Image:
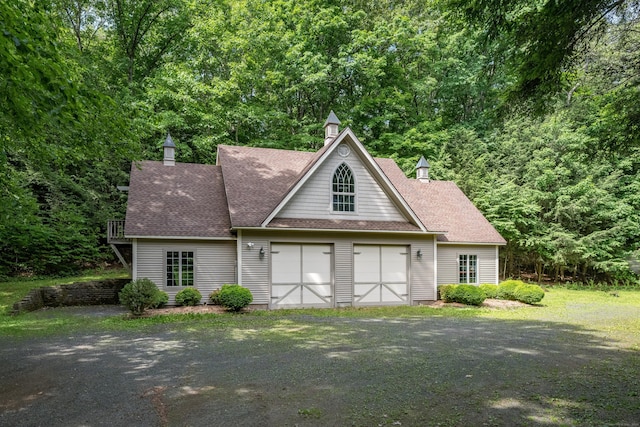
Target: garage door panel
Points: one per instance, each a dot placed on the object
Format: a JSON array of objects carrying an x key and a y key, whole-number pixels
[
  {"x": 285, "y": 263},
  {"x": 380, "y": 274},
  {"x": 394, "y": 264},
  {"x": 366, "y": 263},
  {"x": 367, "y": 293},
  {"x": 301, "y": 275},
  {"x": 316, "y": 264},
  {"x": 394, "y": 292},
  {"x": 316, "y": 294}
]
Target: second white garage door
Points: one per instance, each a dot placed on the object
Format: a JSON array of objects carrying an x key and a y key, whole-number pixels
[
  {"x": 380, "y": 275},
  {"x": 301, "y": 275}
]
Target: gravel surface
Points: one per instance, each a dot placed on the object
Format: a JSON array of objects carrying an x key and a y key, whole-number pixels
[{"x": 310, "y": 371}]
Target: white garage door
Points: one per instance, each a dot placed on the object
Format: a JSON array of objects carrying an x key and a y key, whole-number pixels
[
  {"x": 301, "y": 275},
  {"x": 380, "y": 275}
]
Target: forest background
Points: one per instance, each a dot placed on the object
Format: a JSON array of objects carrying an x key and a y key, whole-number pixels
[{"x": 532, "y": 107}]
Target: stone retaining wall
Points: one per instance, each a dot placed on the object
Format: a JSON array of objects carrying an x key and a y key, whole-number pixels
[{"x": 99, "y": 292}]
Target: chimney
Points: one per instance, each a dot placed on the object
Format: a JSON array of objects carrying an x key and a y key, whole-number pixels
[
  {"x": 169, "y": 151},
  {"x": 422, "y": 170},
  {"x": 331, "y": 127}
]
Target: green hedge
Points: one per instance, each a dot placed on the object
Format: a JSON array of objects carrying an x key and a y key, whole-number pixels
[
  {"x": 507, "y": 289},
  {"x": 463, "y": 294},
  {"x": 529, "y": 294},
  {"x": 234, "y": 297},
  {"x": 139, "y": 295},
  {"x": 188, "y": 296},
  {"x": 490, "y": 290}
]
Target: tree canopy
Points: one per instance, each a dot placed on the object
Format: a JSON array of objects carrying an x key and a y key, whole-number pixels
[{"x": 89, "y": 85}]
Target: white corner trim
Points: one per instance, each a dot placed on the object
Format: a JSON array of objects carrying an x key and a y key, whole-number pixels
[
  {"x": 134, "y": 259},
  {"x": 435, "y": 267},
  {"x": 239, "y": 258}
]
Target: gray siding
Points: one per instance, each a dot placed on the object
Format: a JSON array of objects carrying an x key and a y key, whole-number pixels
[
  {"x": 343, "y": 272},
  {"x": 255, "y": 270},
  {"x": 422, "y": 271},
  {"x": 448, "y": 262},
  {"x": 313, "y": 200},
  {"x": 214, "y": 263},
  {"x": 256, "y": 274}
]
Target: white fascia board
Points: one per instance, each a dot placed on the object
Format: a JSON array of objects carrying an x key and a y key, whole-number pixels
[
  {"x": 340, "y": 230},
  {"x": 180, "y": 238}
]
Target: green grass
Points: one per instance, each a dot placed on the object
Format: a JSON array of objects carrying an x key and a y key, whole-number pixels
[
  {"x": 614, "y": 314},
  {"x": 13, "y": 290}
]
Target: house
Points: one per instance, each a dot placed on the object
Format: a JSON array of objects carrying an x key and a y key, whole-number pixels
[{"x": 330, "y": 228}]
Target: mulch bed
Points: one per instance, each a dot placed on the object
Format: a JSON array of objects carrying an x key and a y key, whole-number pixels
[{"x": 489, "y": 303}]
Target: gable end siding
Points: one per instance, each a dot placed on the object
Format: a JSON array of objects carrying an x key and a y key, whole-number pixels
[{"x": 314, "y": 199}]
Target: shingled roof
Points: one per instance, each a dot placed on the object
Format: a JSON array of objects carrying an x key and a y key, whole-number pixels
[
  {"x": 185, "y": 200},
  {"x": 206, "y": 201}
]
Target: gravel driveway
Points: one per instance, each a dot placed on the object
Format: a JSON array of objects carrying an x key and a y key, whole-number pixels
[{"x": 313, "y": 371}]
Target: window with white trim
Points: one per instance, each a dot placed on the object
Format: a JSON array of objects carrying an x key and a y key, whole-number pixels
[
  {"x": 467, "y": 268},
  {"x": 180, "y": 268},
  {"x": 343, "y": 189}
]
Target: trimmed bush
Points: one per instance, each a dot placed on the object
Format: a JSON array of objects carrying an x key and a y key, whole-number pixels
[
  {"x": 139, "y": 295},
  {"x": 162, "y": 299},
  {"x": 446, "y": 292},
  {"x": 188, "y": 296},
  {"x": 214, "y": 297},
  {"x": 506, "y": 289},
  {"x": 489, "y": 290},
  {"x": 468, "y": 294},
  {"x": 234, "y": 297},
  {"x": 529, "y": 294}
]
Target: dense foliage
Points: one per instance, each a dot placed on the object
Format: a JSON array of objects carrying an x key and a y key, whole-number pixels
[
  {"x": 188, "y": 296},
  {"x": 88, "y": 86},
  {"x": 140, "y": 295},
  {"x": 234, "y": 297}
]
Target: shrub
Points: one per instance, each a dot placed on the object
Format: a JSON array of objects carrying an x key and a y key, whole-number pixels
[
  {"x": 139, "y": 295},
  {"x": 506, "y": 289},
  {"x": 162, "y": 299},
  {"x": 446, "y": 292},
  {"x": 188, "y": 296},
  {"x": 234, "y": 297},
  {"x": 215, "y": 297},
  {"x": 489, "y": 290},
  {"x": 529, "y": 294},
  {"x": 468, "y": 294}
]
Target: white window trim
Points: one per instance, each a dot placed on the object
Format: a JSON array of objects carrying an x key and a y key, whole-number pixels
[
  {"x": 164, "y": 274},
  {"x": 355, "y": 191},
  {"x": 477, "y": 281}
]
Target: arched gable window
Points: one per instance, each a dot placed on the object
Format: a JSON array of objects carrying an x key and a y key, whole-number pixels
[{"x": 343, "y": 189}]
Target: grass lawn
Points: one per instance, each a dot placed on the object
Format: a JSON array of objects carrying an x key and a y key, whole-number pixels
[{"x": 573, "y": 360}]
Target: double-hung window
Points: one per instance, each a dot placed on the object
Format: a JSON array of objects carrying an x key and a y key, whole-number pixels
[
  {"x": 467, "y": 269},
  {"x": 180, "y": 268},
  {"x": 343, "y": 189}
]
